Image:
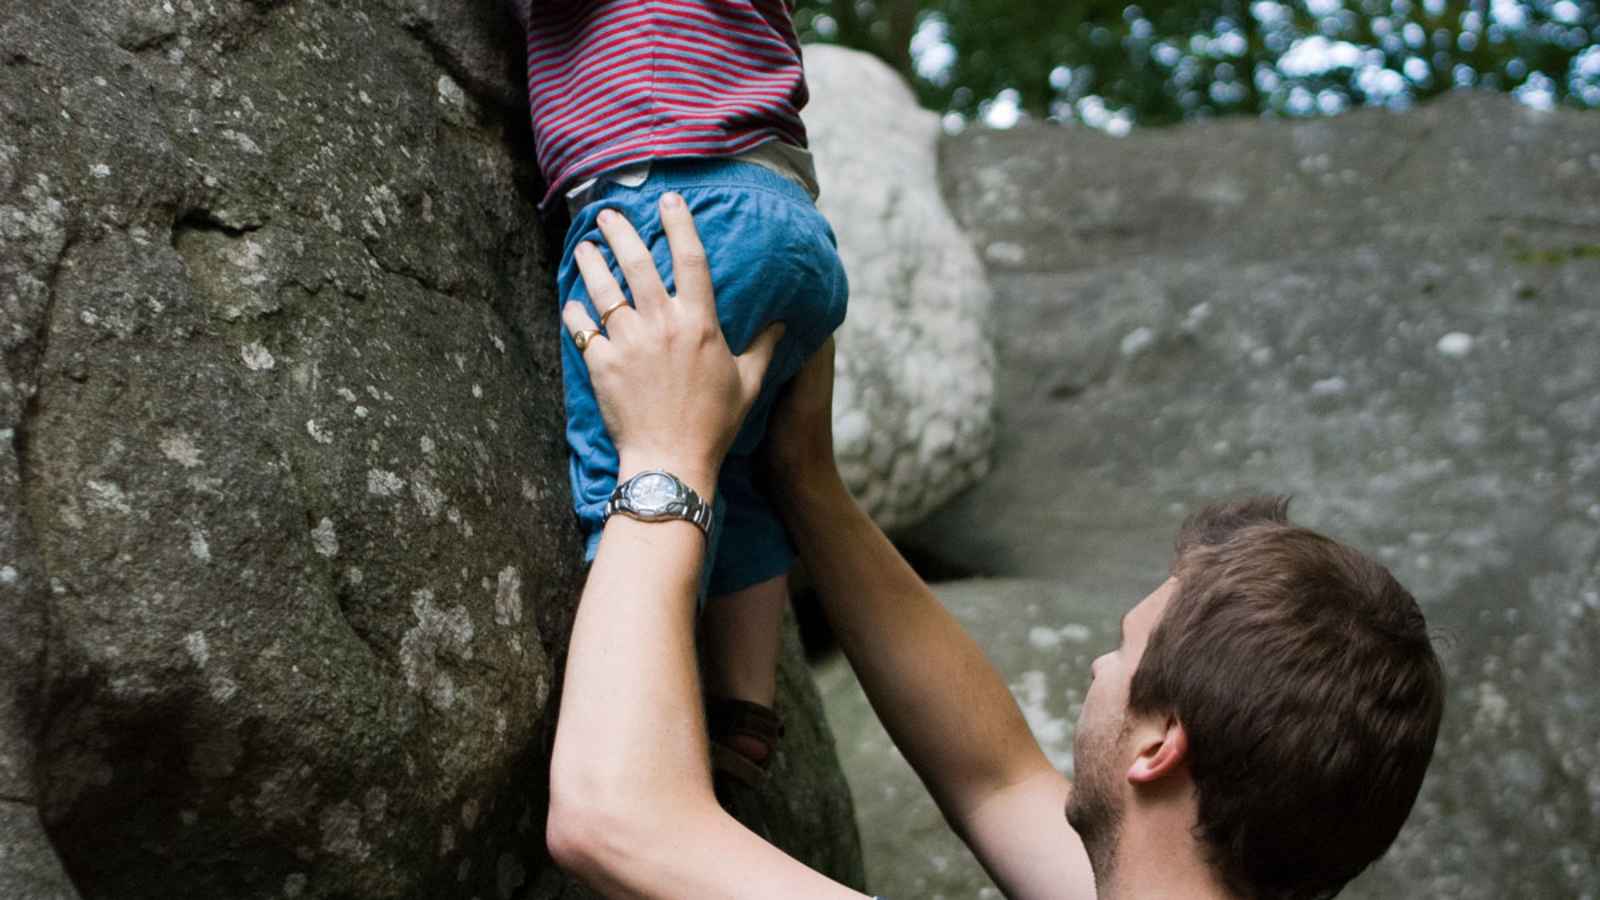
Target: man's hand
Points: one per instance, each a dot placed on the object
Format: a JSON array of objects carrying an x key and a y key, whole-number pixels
[{"x": 671, "y": 393}]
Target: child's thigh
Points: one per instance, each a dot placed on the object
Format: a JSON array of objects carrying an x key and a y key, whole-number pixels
[
  {"x": 772, "y": 260},
  {"x": 760, "y": 248}
]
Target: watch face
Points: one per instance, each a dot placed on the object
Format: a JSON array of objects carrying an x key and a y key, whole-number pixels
[{"x": 652, "y": 492}]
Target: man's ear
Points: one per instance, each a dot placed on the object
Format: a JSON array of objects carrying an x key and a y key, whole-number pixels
[{"x": 1161, "y": 749}]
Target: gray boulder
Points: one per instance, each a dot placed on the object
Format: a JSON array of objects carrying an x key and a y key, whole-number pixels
[
  {"x": 915, "y": 380},
  {"x": 1392, "y": 317},
  {"x": 287, "y": 563}
]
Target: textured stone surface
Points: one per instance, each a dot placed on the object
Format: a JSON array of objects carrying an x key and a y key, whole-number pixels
[
  {"x": 1392, "y": 317},
  {"x": 915, "y": 392},
  {"x": 807, "y": 801},
  {"x": 29, "y": 867},
  {"x": 287, "y": 562}
]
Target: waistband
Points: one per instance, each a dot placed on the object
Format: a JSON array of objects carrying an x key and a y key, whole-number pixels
[{"x": 686, "y": 174}]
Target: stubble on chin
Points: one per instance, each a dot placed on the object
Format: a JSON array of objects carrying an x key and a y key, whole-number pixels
[{"x": 1094, "y": 808}]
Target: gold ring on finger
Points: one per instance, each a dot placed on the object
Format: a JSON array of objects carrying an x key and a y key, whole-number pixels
[
  {"x": 607, "y": 314},
  {"x": 583, "y": 337}
]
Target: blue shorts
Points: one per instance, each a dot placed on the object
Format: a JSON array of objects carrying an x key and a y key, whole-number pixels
[{"x": 773, "y": 258}]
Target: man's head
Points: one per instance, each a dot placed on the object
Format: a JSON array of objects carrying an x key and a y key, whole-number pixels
[{"x": 1287, "y": 681}]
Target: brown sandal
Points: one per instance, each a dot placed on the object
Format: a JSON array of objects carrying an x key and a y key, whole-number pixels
[{"x": 732, "y": 723}]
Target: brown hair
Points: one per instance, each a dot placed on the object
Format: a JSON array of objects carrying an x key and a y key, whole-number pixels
[{"x": 1304, "y": 676}]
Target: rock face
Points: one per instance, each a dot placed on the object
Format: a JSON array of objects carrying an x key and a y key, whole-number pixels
[
  {"x": 287, "y": 563},
  {"x": 1392, "y": 317},
  {"x": 915, "y": 378}
]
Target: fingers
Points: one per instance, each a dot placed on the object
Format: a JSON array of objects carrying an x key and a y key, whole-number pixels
[
  {"x": 577, "y": 320},
  {"x": 689, "y": 267},
  {"x": 633, "y": 257},
  {"x": 753, "y": 364},
  {"x": 604, "y": 292}
]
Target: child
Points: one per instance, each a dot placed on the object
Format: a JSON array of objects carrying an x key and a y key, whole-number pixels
[{"x": 701, "y": 97}]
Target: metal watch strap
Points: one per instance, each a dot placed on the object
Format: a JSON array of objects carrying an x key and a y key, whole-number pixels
[{"x": 698, "y": 511}]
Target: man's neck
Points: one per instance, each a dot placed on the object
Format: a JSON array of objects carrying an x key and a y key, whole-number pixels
[{"x": 1151, "y": 865}]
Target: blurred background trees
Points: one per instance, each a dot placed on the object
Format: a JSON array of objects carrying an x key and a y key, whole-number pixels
[{"x": 1111, "y": 64}]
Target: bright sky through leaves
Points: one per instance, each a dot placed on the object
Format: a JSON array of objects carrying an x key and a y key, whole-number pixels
[{"x": 1112, "y": 65}]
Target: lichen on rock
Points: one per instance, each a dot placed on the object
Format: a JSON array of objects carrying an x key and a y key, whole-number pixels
[{"x": 282, "y": 490}]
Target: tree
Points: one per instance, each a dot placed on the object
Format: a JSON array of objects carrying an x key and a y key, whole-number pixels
[{"x": 1112, "y": 63}]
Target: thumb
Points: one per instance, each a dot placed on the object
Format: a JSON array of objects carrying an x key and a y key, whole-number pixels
[{"x": 753, "y": 364}]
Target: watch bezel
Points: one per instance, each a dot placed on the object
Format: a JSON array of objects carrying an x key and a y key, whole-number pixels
[
  {"x": 675, "y": 507},
  {"x": 685, "y": 505}
]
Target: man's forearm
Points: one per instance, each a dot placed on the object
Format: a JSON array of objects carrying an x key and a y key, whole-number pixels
[
  {"x": 630, "y": 711},
  {"x": 942, "y": 701},
  {"x": 632, "y": 810},
  {"x": 631, "y": 805}
]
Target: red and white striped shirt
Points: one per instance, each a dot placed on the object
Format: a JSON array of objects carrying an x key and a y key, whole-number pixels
[{"x": 612, "y": 83}]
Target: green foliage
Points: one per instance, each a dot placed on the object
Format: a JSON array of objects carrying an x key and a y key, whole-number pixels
[
  {"x": 1112, "y": 63},
  {"x": 1559, "y": 255}
]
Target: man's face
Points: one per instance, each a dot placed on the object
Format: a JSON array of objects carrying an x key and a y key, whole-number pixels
[{"x": 1100, "y": 758}]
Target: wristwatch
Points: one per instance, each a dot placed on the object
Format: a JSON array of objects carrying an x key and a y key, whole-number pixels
[{"x": 655, "y": 495}]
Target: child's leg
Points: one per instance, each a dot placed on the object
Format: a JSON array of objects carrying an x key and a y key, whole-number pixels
[
  {"x": 739, "y": 640},
  {"x": 740, "y": 636},
  {"x": 740, "y": 624},
  {"x": 772, "y": 258}
]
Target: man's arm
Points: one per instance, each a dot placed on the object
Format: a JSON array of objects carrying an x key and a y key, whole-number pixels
[
  {"x": 941, "y": 700},
  {"x": 631, "y": 805}
]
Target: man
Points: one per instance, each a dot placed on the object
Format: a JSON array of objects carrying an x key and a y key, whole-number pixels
[
  {"x": 1276, "y": 700},
  {"x": 1261, "y": 731}
]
